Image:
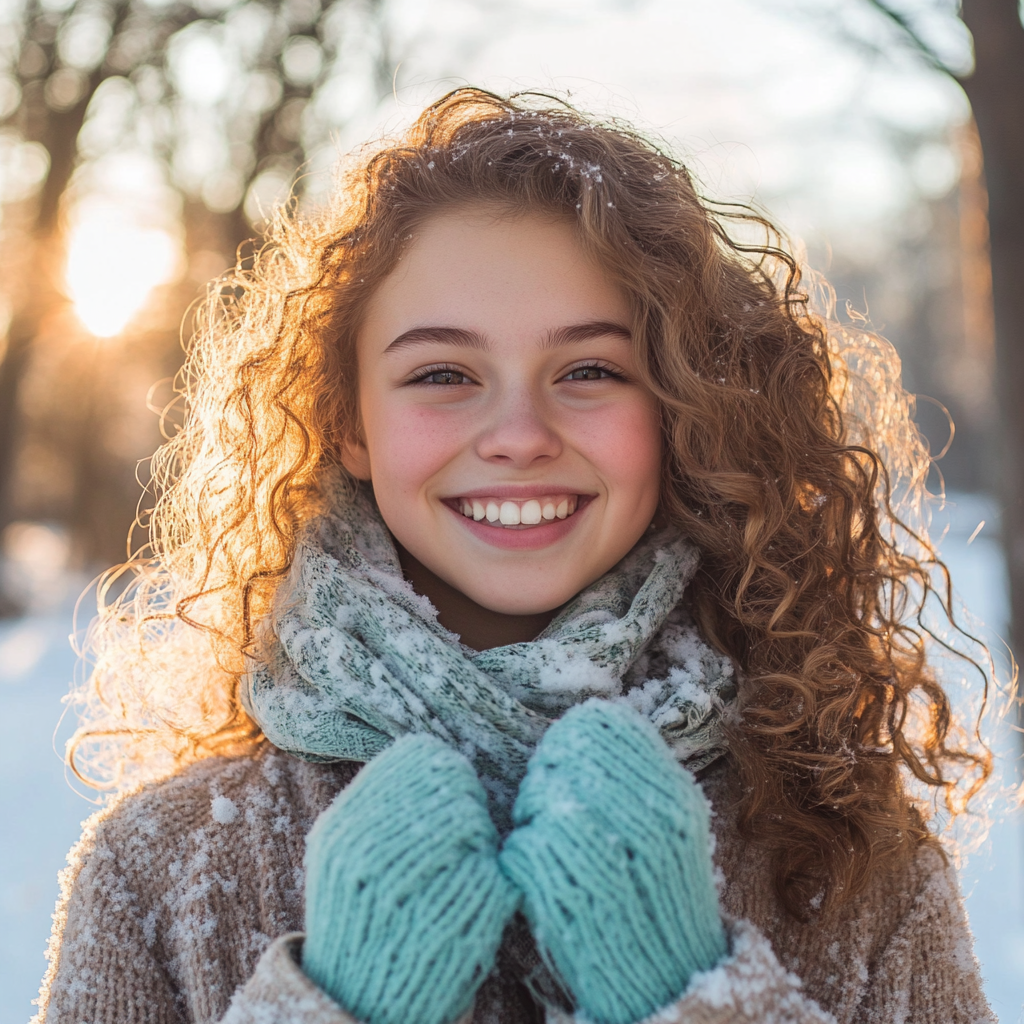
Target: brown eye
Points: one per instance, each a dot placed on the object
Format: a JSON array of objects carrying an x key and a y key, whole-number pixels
[{"x": 588, "y": 373}]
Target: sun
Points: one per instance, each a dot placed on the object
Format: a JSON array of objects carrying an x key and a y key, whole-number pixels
[{"x": 113, "y": 266}]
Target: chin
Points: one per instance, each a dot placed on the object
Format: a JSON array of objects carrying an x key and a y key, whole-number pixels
[{"x": 529, "y": 603}]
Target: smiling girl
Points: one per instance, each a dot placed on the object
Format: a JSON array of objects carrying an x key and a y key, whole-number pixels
[
  {"x": 513, "y": 452},
  {"x": 524, "y": 628}
]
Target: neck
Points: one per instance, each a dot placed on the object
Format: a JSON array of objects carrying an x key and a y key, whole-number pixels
[{"x": 477, "y": 627}]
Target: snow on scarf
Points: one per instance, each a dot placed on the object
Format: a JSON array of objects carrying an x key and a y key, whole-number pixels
[{"x": 357, "y": 658}]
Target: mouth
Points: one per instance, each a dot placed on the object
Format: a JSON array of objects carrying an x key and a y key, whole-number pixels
[{"x": 519, "y": 514}]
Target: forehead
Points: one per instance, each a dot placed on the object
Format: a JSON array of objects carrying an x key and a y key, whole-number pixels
[{"x": 490, "y": 271}]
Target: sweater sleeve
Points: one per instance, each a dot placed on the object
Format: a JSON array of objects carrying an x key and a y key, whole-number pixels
[
  {"x": 749, "y": 986},
  {"x": 927, "y": 972},
  {"x": 279, "y": 991},
  {"x": 105, "y": 965},
  {"x": 102, "y": 968}
]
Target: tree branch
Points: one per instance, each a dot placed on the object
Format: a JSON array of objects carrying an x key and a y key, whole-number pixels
[{"x": 911, "y": 36}]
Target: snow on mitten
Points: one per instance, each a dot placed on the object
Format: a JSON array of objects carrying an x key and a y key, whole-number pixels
[
  {"x": 405, "y": 902},
  {"x": 612, "y": 852}
]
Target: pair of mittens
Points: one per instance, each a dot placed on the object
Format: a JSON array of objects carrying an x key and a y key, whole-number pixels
[
  {"x": 405, "y": 901},
  {"x": 407, "y": 896},
  {"x": 612, "y": 852}
]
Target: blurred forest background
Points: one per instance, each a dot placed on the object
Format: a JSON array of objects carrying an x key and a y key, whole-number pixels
[{"x": 142, "y": 141}]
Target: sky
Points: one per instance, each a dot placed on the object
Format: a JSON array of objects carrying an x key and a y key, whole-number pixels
[
  {"x": 810, "y": 107},
  {"x": 836, "y": 129}
]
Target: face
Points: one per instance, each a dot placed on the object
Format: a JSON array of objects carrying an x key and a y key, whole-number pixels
[{"x": 511, "y": 449}]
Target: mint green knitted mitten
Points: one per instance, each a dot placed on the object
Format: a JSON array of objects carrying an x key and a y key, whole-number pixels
[
  {"x": 612, "y": 852},
  {"x": 405, "y": 902}
]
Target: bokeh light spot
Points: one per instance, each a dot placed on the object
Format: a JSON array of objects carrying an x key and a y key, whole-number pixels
[
  {"x": 83, "y": 40},
  {"x": 199, "y": 65},
  {"x": 23, "y": 166},
  {"x": 269, "y": 189},
  {"x": 112, "y": 268},
  {"x": 302, "y": 60},
  {"x": 10, "y": 95}
]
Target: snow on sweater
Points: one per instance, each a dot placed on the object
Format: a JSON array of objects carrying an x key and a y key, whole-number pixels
[{"x": 182, "y": 904}]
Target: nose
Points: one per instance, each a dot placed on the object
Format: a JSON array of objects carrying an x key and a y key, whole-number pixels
[{"x": 519, "y": 432}]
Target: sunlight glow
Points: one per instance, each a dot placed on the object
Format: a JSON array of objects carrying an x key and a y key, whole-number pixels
[{"x": 112, "y": 267}]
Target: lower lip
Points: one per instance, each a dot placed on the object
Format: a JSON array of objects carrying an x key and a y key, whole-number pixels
[{"x": 534, "y": 538}]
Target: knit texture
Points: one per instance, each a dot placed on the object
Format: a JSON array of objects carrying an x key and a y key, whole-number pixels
[
  {"x": 174, "y": 896},
  {"x": 405, "y": 903},
  {"x": 356, "y": 658},
  {"x": 612, "y": 849}
]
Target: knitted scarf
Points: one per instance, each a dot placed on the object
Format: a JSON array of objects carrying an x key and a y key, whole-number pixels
[{"x": 355, "y": 658}]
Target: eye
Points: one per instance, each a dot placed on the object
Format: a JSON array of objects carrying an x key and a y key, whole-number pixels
[
  {"x": 443, "y": 376},
  {"x": 592, "y": 372}
]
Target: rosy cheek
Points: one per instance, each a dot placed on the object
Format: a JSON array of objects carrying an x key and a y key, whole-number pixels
[
  {"x": 411, "y": 444},
  {"x": 624, "y": 443}
]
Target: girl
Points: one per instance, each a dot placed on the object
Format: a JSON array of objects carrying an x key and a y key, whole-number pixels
[{"x": 517, "y": 479}]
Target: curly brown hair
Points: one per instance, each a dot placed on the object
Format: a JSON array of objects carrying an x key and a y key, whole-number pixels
[{"x": 775, "y": 421}]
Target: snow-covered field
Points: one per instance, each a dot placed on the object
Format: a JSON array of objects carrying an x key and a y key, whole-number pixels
[
  {"x": 993, "y": 877},
  {"x": 42, "y": 814}
]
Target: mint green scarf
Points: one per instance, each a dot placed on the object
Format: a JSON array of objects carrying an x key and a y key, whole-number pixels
[{"x": 357, "y": 658}]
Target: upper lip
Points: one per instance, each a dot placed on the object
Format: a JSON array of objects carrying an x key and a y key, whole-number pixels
[{"x": 519, "y": 492}]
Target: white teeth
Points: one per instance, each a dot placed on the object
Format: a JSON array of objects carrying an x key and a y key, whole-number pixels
[
  {"x": 509, "y": 513},
  {"x": 530, "y": 512}
]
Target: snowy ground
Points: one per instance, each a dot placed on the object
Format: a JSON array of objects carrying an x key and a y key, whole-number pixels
[
  {"x": 993, "y": 877},
  {"x": 42, "y": 813}
]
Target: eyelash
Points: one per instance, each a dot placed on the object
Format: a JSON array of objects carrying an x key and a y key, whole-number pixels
[
  {"x": 597, "y": 365},
  {"x": 424, "y": 375},
  {"x": 421, "y": 377}
]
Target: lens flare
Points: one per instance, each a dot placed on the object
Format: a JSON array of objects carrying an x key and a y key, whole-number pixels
[{"x": 112, "y": 268}]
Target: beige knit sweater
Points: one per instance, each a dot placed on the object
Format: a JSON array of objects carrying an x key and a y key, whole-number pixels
[{"x": 183, "y": 903}]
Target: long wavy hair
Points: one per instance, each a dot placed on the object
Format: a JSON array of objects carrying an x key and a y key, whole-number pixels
[{"x": 791, "y": 459}]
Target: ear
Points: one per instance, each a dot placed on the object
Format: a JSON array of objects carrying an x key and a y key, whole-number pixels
[{"x": 355, "y": 457}]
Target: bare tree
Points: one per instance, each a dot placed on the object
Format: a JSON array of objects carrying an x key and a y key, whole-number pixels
[
  {"x": 996, "y": 92},
  {"x": 995, "y": 89},
  {"x": 279, "y": 58}
]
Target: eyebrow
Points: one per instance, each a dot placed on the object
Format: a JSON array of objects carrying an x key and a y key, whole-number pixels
[
  {"x": 458, "y": 336},
  {"x": 584, "y": 332},
  {"x": 444, "y": 335}
]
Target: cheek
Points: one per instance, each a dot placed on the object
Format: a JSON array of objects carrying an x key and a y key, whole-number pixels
[
  {"x": 624, "y": 445},
  {"x": 409, "y": 444}
]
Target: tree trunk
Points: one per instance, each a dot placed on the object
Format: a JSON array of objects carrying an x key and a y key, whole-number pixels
[
  {"x": 58, "y": 132},
  {"x": 996, "y": 92}
]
